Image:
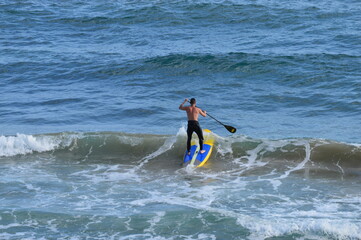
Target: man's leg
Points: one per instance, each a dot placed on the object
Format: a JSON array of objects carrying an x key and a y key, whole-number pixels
[
  {"x": 200, "y": 137},
  {"x": 189, "y": 138}
]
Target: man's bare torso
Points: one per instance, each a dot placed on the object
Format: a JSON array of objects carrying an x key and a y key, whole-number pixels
[{"x": 192, "y": 113}]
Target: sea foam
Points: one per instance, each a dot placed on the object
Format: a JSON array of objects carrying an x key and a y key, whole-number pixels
[{"x": 25, "y": 144}]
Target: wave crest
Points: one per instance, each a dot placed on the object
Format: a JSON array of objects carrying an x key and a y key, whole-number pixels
[
  {"x": 235, "y": 155},
  {"x": 26, "y": 144}
]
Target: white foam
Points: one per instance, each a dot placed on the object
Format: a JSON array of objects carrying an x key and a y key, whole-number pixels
[
  {"x": 182, "y": 131},
  {"x": 25, "y": 144},
  {"x": 224, "y": 146},
  {"x": 275, "y": 183},
  {"x": 109, "y": 173},
  {"x": 30, "y": 187},
  {"x": 253, "y": 154},
  {"x": 154, "y": 221},
  {"x": 11, "y": 225},
  {"x": 204, "y": 236},
  {"x": 328, "y": 207},
  {"x": 22, "y": 144},
  {"x": 132, "y": 140},
  {"x": 52, "y": 226},
  {"x": 312, "y": 224},
  {"x": 168, "y": 144},
  {"x": 302, "y": 164},
  {"x": 190, "y": 168},
  {"x": 283, "y": 219},
  {"x": 143, "y": 236}
]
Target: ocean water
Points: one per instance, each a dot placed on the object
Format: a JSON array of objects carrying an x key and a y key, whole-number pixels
[{"x": 92, "y": 141}]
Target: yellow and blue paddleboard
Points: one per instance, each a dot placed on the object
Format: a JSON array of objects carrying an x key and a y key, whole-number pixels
[{"x": 195, "y": 158}]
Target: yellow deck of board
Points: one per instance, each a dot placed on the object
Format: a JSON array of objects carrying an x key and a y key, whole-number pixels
[{"x": 208, "y": 139}]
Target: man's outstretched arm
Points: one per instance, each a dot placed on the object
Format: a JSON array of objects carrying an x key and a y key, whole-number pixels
[{"x": 181, "y": 107}]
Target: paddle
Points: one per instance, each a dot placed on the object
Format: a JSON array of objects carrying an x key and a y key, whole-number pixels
[{"x": 229, "y": 128}]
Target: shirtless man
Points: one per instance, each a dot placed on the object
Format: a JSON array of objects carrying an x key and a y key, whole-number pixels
[{"x": 193, "y": 124}]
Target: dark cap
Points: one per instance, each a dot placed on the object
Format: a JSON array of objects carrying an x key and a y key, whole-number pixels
[{"x": 193, "y": 100}]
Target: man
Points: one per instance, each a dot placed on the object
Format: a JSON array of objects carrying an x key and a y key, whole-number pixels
[{"x": 193, "y": 124}]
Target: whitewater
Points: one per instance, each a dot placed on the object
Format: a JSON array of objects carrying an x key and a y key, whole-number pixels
[{"x": 110, "y": 185}]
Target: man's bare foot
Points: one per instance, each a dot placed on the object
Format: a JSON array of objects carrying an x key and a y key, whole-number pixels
[
  {"x": 189, "y": 153},
  {"x": 203, "y": 151}
]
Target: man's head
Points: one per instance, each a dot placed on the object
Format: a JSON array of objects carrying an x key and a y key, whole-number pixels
[{"x": 193, "y": 101}]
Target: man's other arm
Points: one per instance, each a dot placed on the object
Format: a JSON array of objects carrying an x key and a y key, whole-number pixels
[{"x": 181, "y": 107}]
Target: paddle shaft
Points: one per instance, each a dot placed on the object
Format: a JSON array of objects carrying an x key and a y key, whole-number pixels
[
  {"x": 214, "y": 119},
  {"x": 229, "y": 128}
]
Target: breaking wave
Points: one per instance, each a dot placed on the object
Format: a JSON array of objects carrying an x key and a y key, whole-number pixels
[{"x": 237, "y": 154}]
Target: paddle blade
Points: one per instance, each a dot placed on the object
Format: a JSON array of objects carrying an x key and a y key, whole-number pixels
[{"x": 230, "y": 129}]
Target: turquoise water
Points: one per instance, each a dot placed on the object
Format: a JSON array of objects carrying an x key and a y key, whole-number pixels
[{"x": 91, "y": 138}]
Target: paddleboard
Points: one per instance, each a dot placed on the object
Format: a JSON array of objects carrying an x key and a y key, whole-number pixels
[{"x": 195, "y": 158}]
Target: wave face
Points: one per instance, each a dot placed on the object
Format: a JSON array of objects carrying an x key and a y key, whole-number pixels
[
  {"x": 231, "y": 153},
  {"x": 231, "y": 150},
  {"x": 238, "y": 154}
]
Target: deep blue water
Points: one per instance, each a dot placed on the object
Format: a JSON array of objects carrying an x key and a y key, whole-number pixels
[
  {"x": 273, "y": 69},
  {"x": 88, "y": 85}
]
